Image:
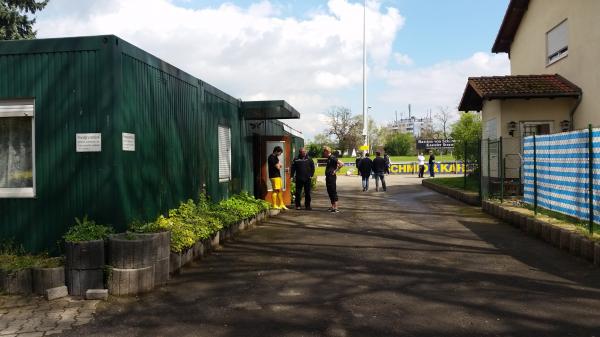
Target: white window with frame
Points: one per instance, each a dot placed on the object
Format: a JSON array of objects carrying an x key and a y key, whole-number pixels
[
  {"x": 557, "y": 43},
  {"x": 224, "y": 135},
  {"x": 17, "y": 148}
]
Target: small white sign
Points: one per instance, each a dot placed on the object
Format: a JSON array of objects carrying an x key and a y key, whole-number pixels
[
  {"x": 128, "y": 141},
  {"x": 88, "y": 142}
]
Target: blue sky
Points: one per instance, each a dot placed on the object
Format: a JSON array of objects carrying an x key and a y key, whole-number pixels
[{"x": 307, "y": 52}]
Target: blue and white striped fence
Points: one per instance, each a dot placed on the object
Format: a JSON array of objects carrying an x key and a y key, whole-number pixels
[{"x": 563, "y": 181}]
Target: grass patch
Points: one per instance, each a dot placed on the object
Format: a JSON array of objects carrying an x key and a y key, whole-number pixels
[
  {"x": 402, "y": 159},
  {"x": 458, "y": 183}
]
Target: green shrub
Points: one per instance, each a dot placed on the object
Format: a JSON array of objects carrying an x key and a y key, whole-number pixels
[
  {"x": 87, "y": 230},
  {"x": 14, "y": 258}
]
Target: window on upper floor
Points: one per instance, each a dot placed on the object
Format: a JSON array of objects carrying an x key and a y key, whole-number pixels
[{"x": 557, "y": 42}]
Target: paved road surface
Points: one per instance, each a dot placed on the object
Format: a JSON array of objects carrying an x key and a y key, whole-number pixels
[{"x": 408, "y": 262}]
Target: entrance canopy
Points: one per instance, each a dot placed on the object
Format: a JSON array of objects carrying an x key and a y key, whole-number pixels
[{"x": 269, "y": 110}]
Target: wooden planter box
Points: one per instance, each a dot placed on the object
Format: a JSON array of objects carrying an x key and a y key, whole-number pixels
[
  {"x": 575, "y": 244},
  {"x": 198, "y": 250},
  {"x": 587, "y": 249},
  {"x": 47, "y": 278},
  {"x": 135, "y": 253},
  {"x": 16, "y": 282},
  {"x": 84, "y": 266},
  {"x": 174, "y": 263},
  {"x": 131, "y": 281},
  {"x": 565, "y": 239},
  {"x": 215, "y": 240}
]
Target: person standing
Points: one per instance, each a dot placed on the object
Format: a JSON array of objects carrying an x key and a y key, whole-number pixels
[
  {"x": 431, "y": 164},
  {"x": 303, "y": 169},
  {"x": 379, "y": 171},
  {"x": 421, "y": 160},
  {"x": 275, "y": 176},
  {"x": 365, "y": 168},
  {"x": 332, "y": 167},
  {"x": 387, "y": 163}
]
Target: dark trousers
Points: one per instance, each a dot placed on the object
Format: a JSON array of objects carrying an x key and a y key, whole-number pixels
[
  {"x": 379, "y": 176},
  {"x": 421, "y": 171},
  {"x": 303, "y": 185},
  {"x": 330, "y": 182},
  {"x": 431, "y": 169}
]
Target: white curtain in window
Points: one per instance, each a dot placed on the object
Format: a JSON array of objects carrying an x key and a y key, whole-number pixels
[{"x": 16, "y": 160}]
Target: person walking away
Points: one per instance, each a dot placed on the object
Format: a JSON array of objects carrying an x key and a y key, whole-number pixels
[
  {"x": 358, "y": 159},
  {"x": 303, "y": 169},
  {"x": 421, "y": 160},
  {"x": 431, "y": 164},
  {"x": 387, "y": 163},
  {"x": 379, "y": 171},
  {"x": 275, "y": 176},
  {"x": 365, "y": 168},
  {"x": 332, "y": 167}
]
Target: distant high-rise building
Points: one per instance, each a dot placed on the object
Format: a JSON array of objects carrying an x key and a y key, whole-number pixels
[{"x": 411, "y": 125}]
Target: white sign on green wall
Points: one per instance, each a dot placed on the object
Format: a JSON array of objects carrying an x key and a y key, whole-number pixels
[{"x": 88, "y": 142}]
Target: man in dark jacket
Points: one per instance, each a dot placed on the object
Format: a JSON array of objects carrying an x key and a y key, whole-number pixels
[
  {"x": 431, "y": 164},
  {"x": 388, "y": 163},
  {"x": 364, "y": 168},
  {"x": 379, "y": 171},
  {"x": 303, "y": 169}
]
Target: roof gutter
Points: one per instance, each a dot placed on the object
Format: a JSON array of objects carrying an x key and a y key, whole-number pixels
[{"x": 572, "y": 112}]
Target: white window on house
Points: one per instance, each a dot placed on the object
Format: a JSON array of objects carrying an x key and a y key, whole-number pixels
[
  {"x": 17, "y": 149},
  {"x": 491, "y": 129},
  {"x": 224, "y": 153},
  {"x": 536, "y": 128},
  {"x": 557, "y": 42}
]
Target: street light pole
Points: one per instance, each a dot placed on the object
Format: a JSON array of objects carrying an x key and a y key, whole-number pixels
[{"x": 365, "y": 126}]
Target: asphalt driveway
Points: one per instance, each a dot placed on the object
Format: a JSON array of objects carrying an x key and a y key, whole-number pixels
[{"x": 407, "y": 262}]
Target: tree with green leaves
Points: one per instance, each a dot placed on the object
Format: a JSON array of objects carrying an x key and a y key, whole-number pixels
[
  {"x": 15, "y": 20},
  {"x": 400, "y": 144},
  {"x": 467, "y": 130}
]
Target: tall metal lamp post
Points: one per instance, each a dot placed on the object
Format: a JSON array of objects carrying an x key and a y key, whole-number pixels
[{"x": 365, "y": 109}]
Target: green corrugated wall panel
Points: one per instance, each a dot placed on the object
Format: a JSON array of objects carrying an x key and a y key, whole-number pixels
[
  {"x": 105, "y": 85},
  {"x": 66, "y": 87}
]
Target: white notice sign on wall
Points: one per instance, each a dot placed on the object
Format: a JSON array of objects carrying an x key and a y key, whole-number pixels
[
  {"x": 88, "y": 142},
  {"x": 128, "y": 141}
]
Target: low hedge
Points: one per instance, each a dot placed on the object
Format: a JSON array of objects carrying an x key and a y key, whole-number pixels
[{"x": 194, "y": 221}]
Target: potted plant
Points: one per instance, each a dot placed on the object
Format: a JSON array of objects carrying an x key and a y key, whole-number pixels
[
  {"x": 85, "y": 255},
  {"x": 162, "y": 246},
  {"x": 48, "y": 273},
  {"x": 15, "y": 271}
]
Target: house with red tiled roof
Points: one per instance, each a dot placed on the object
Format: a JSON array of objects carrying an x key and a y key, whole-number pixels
[{"x": 554, "y": 86}]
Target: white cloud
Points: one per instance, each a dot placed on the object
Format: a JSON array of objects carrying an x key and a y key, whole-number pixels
[
  {"x": 403, "y": 59},
  {"x": 255, "y": 52},
  {"x": 441, "y": 84}
]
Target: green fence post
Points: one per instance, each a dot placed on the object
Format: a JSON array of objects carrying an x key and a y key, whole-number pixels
[
  {"x": 501, "y": 170},
  {"x": 479, "y": 166},
  {"x": 489, "y": 169},
  {"x": 465, "y": 168},
  {"x": 591, "y": 178},
  {"x": 535, "y": 191}
]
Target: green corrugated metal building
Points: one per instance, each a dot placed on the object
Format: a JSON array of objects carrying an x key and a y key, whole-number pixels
[{"x": 97, "y": 126}]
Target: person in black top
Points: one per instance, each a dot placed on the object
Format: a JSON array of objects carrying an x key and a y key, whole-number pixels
[
  {"x": 275, "y": 176},
  {"x": 358, "y": 159},
  {"x": 387, "y": 163},
  {"x": 303, "y": 169},
  {"x": 332, "y": 167},
  {"x": 431, "y": 164},
  {"x": 379, "y": 170},
  {"x": 364, "y": 168}
]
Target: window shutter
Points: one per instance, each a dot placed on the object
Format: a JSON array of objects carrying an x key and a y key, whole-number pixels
[
  {"x": 224, "y": 153},
  {"x": 17, "y": 108},
  {"x": 558, "y": 39}
]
